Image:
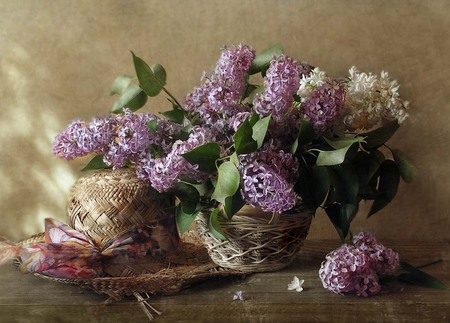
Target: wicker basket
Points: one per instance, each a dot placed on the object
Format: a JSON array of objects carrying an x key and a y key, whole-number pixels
[
  {"x": 254, "y": 244},
  {"x": 107, "y": 203}
]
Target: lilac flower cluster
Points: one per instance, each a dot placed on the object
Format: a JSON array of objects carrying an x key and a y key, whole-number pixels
[
  {"x": 285, "y": 164},
  {"x": 127, "y": 138},
  {"x": 218, "y": 96},
  {"x": 384, "y": 260},
  {"x": 133, "y": 136},
  {"x": 355, "y": 268},
  {"x": 120, "y": 138},
  {"x": 280, "y": 84},
  {"x": 267, "y": 179},
  {"x": 264, "y": 187},
  {"x": 324, "y": 105},
  {"x": 79, "y": 139},
  {"x": 164, "y": 172}
]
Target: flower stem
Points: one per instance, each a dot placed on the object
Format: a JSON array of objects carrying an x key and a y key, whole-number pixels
[{"x": 172, "y": 97}]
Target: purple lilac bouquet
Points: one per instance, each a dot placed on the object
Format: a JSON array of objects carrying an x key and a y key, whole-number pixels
[
  {"x": 262, "y": 130},
  {"x": 356, "y": 268}
]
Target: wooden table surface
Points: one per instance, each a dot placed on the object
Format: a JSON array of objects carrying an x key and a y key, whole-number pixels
[{"x": 26, "y": 298}]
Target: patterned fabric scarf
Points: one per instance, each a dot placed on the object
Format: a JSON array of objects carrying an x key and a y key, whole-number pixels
[{"x": 67, "y": 253}]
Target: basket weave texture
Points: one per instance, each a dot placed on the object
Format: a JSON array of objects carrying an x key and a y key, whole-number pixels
[
  {"x": 107, "y": 203},
  {"x": 254, "y": 244}
]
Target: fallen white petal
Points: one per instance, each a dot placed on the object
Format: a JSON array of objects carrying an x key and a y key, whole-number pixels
[
  {"x": 238, "y": 296},
  {"x": 296, "y": 284}
]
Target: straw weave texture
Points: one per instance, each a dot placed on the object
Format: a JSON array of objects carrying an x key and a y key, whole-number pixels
[
  {"x": 107, "y": 203},
  {"x": 253, "y": 244}
]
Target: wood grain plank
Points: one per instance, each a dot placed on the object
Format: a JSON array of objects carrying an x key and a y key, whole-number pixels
[{"x": 25, "y": 298}]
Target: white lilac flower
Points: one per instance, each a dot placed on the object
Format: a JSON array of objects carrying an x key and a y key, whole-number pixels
[
  {"x": 360, "y": 83},
  {"x": 371, "y": 101},
  {"x": 309, "y": 82},
  {"x": 296, "y": 284},
  {"x": 238, "y": 296}
]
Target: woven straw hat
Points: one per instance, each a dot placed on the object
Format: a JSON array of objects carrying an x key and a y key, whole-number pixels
[{"x": 107, "y": 203}]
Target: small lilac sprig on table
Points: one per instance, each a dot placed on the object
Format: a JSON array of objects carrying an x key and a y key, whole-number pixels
[
  {"x": 359, "y": 267},
  {"x": 356, "y": 268}
]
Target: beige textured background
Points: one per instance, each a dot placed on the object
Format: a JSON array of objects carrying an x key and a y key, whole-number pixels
[{"x": 58, "y": 59}]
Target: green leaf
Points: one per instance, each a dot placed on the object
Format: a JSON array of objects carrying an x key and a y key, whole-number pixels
[
  {"x": 254, "y": 119},
  {"x": 152, "y": 125},
  {"x": 120, "y": 84},
  {"x": 243, "y": 139},
  {"x": 346, "y": 184},
  {"x": 294, "y": 146},
  {"x": 418, "y": 277},
  {"x": 133, "y": 98},
  {"x": 380, "y": 136},
  {"x": 336, "y": 157},
  {"x": 201, "y": 188},
  {"x": 188, "y": 196},
  {"x": 343, "y": 142},
  {"x": 96, "y": 163},
  {"x": 341, "y": 215},
  {"x": 255, "y": 90},
  {"x": 233, "y": 204},
  {"x": 155, "y": 195},
  {"x": 234, "y": 159},
  {"x": 407, "y": 169},
  {"x": 262, "y": 60},
  {"x": 227, "y": 183},
  {"x": 249, "y": 89},
  {"x": 387, "y": 186},
  {"x": 184, "y": 220},
  {"x": 152, "y": 79},
  {"x": 331, "y": 157},
  {"x": 214, "y": 225},
  {"x": 305, "y": 135},
  {"x": 313, "y": 185},
  {"x": 260, "y": 130},
  {"x": 367, "y": 166},
  {"x": 175, "y": 115},
  {"x": 204, "y": 156}
]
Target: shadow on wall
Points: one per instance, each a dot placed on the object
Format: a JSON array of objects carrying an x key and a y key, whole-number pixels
[{"x": 28, "y": 129}]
